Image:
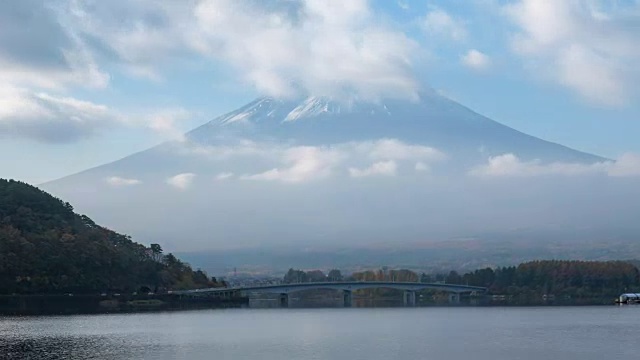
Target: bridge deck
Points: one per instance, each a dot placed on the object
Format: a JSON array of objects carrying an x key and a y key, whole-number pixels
[{"x": 344, "y": 285}]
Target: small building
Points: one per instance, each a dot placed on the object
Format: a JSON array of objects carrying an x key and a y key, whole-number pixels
[{"x": 630, "y": 298}]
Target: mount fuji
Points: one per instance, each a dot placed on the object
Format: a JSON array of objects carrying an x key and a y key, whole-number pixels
[
  {"x": 433, "y": 120},
  {"x": 320, "y": 171}
]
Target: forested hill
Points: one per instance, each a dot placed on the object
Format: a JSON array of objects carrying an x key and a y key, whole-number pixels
[{"x": 46, "y": 248}]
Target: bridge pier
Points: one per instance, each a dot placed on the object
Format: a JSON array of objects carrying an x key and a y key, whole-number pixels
[
  {"x": 409, "y": 298},
  {"x": 284, "y": 300},
  {"x": 454, "y": 298},
  {"x": 347, "y": 297}
]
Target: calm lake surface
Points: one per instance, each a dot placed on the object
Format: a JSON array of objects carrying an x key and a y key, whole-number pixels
[{"x": 389, "y": 333}]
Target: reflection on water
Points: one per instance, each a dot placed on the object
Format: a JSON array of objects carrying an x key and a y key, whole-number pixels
[
  {"x": 568, "y": 333},
  {"x": 80, "y": 347},
  {"x": 325, "y": 302}
]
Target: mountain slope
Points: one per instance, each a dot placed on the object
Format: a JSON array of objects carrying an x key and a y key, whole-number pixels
[{"x": 47, "y": 248}]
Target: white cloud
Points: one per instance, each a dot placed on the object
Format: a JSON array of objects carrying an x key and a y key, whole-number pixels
[
  {"x": 403, "y": 5},
  {"x": 164, "y": 122},
  {"x": 384, "y": 168},
  {"x": 224, "y": 176},
  {"x": 229, "y": 149},
  {"x": 421, "y": 167},
  {"x": 48, "y": 118},
  {"x": 296, "y": 164},
  {"x": 328, "y": 48},
  {"x": 302, "y": 163},
  {"x": 37, "y": 50},
  {"x": 394, "y": 149},
  {"x": 509, "y": 165},
  {"x": 627, "y": 165},
  {"x": 476, "y": 60},
  {"x": 587, "y": 46},
  {"x": 45, "y": 117},
  {"x": 181, "y": 181},
  {"x": 282, "y": 48},
  {"x": 139, "y": 35},
  {"x": 438, "y": 22},
  {"x": 382, "y": 149},
  {"x": 119, "y": 181},
  {"x": 46, "y": 50}
]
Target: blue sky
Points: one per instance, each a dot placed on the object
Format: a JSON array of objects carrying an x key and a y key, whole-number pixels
[{"x": 88, "y": 82}]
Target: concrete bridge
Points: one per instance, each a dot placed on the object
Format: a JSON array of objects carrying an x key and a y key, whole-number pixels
[{"x": 347, "y": 287}]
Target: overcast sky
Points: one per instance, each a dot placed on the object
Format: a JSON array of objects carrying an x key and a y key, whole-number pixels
[{"x": 87, "y": 82}]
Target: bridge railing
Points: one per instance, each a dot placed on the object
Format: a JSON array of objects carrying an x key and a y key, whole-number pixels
[{"x": 343, "y": 285}]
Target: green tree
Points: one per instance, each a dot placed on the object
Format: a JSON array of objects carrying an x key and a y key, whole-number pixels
[
  {"x": 334, "y": 275},
  {"x": 315, "y": 276},
  {"x": 295, "y": 276},
  {"x": 156, "y": 251}
]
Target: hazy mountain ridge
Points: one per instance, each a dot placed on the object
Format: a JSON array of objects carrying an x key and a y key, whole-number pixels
[{"x": 460, "y": 255}]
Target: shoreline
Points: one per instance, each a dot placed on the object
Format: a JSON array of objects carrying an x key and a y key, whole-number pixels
[
  {"x": 60, "y": 305},
  {"x": 27, "y": 305}
]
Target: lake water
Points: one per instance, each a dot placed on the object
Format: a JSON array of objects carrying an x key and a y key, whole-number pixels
[{"x": 566, "y": 333}]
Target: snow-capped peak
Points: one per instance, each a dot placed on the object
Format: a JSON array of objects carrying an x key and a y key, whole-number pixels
[
  {"x": 312, "y": 106},
  {"x": 288, "y": 111},
  {"x": 259, "y": 107}
]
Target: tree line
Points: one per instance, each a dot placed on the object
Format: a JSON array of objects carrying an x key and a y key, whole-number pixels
[
  {"x": 299, "y": 276},
  {"x": 570, "y": 278}
]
